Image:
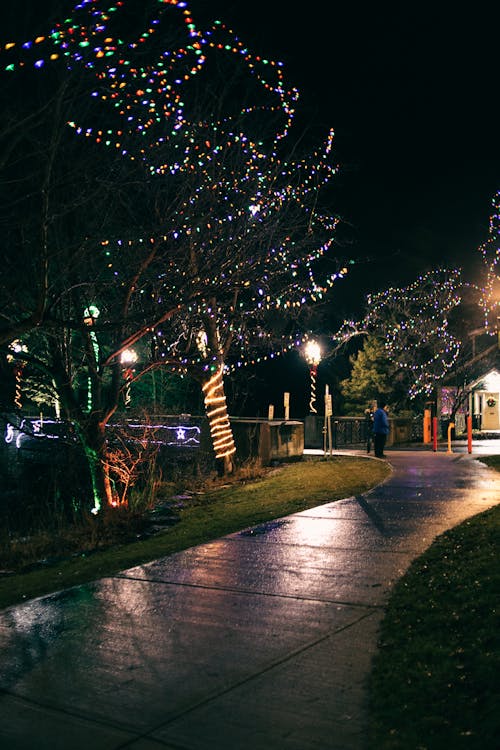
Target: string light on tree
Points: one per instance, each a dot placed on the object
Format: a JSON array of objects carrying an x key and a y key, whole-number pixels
[
  {"x": 416, "y": 324},
  {"x": 248, "y": 239},
  {"x": 490, "y": 250},
  {"x": 413, "y": 322},
  {"x": 220, "y": 428}
]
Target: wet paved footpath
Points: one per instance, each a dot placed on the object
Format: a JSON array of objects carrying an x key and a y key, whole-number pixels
[{"x": 261, "y": 640}]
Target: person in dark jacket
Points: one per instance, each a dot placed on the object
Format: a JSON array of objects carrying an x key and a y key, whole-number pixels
[
  {"x": 369, "y": 429},
  {"x": 380, "y": 430}
]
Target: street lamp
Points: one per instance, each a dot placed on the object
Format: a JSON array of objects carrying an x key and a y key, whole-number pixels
[
  {"x": 128, "y": 357},
  {"x": 19, "y": 349},
  {"x": 90, "y": 315},
  {"x": 312, "y": 354}
]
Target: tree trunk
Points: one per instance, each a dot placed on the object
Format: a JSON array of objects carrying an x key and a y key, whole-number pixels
[
  {"x": 92, "y": 438},
  {"x": 218, "y": 418}
]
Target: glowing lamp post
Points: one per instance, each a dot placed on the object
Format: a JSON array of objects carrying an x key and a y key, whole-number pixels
[
  {"x": 312, "y": 353},
  {"x": 90, "y": 315},
  {"x": 19, "y": 349},
  {"x": 128, "y": 357}
]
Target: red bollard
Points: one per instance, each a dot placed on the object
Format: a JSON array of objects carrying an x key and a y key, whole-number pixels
[{"x": 434, "y": 434}]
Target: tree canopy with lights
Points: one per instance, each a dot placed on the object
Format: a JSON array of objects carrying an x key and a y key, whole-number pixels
[
  {"x": 225, "y": 237},
  {"x": 413, "y": 323},
  {"x": 426, "y": 327},
  {"x": 489, "y": 301}
]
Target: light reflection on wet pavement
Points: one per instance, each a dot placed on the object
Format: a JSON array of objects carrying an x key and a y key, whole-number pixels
[{"x": 259, "y": 640}]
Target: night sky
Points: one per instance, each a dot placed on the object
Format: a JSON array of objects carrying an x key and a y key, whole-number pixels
[{"x": 410, "y": 91}]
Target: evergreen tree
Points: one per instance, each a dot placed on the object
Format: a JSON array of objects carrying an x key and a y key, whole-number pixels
[{"x": 371, "y": 376}]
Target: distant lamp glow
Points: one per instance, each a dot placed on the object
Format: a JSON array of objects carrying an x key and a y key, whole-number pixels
[
  {"x": 312, "y": 354},
  {"x": 128, "y": 357},
  {"x": 18, "y": 347},
  {"x": 90, "y": 314},
  {"x": 491, "y": 381}
]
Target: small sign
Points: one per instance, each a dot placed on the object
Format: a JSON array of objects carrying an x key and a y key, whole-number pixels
[
  {"x": 270, "y": 413},
  {"x": 328, "y": 405}
]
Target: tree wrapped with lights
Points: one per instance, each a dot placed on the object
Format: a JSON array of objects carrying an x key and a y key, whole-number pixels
[
  {"x": 233, "y": 240},
  {"x": 248, "y": 238},
  {"x": 254, "y": 242},
  {"x": 429, "y": 329},
  {"x": 414, "y": 324},
  {"x": 56, "y": 268},
  {"x": 489, "y": 300}
]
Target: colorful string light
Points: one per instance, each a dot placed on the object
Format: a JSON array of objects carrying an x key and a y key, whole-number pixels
[
  {"x": 413, "y": 322},
  {"x": 248, "y": 239}
]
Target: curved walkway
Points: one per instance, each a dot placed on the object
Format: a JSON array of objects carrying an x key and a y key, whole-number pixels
[{"x": 261, "y": 640}]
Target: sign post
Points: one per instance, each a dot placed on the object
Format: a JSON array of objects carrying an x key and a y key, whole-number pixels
[
  {"x": 327, "y": 429},
  {"x": 286, "y": 403}
]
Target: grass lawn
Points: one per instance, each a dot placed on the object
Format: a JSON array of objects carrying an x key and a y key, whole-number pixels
[
  {"x": 435, "y": 679},
  {"x": 282, "y": 491},
  {"x": 434, "y": 683}
]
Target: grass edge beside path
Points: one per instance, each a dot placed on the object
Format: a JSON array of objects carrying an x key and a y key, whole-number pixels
[
  {"x": 434, "y": 679},
  {"x": 289, "y": 489}
]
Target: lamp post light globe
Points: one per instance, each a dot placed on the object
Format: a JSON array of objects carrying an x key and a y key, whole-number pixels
[
  {"x": 312, "y": 354},
  {"x": 128, "y": 357}
]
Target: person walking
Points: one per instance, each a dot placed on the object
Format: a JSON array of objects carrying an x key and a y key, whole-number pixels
[
  {"x": 369, "y": 428},
  {"x": 380, "y": 430}
]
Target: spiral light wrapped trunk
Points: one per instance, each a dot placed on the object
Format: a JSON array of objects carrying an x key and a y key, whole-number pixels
[{"x": 216, "y": 408}]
